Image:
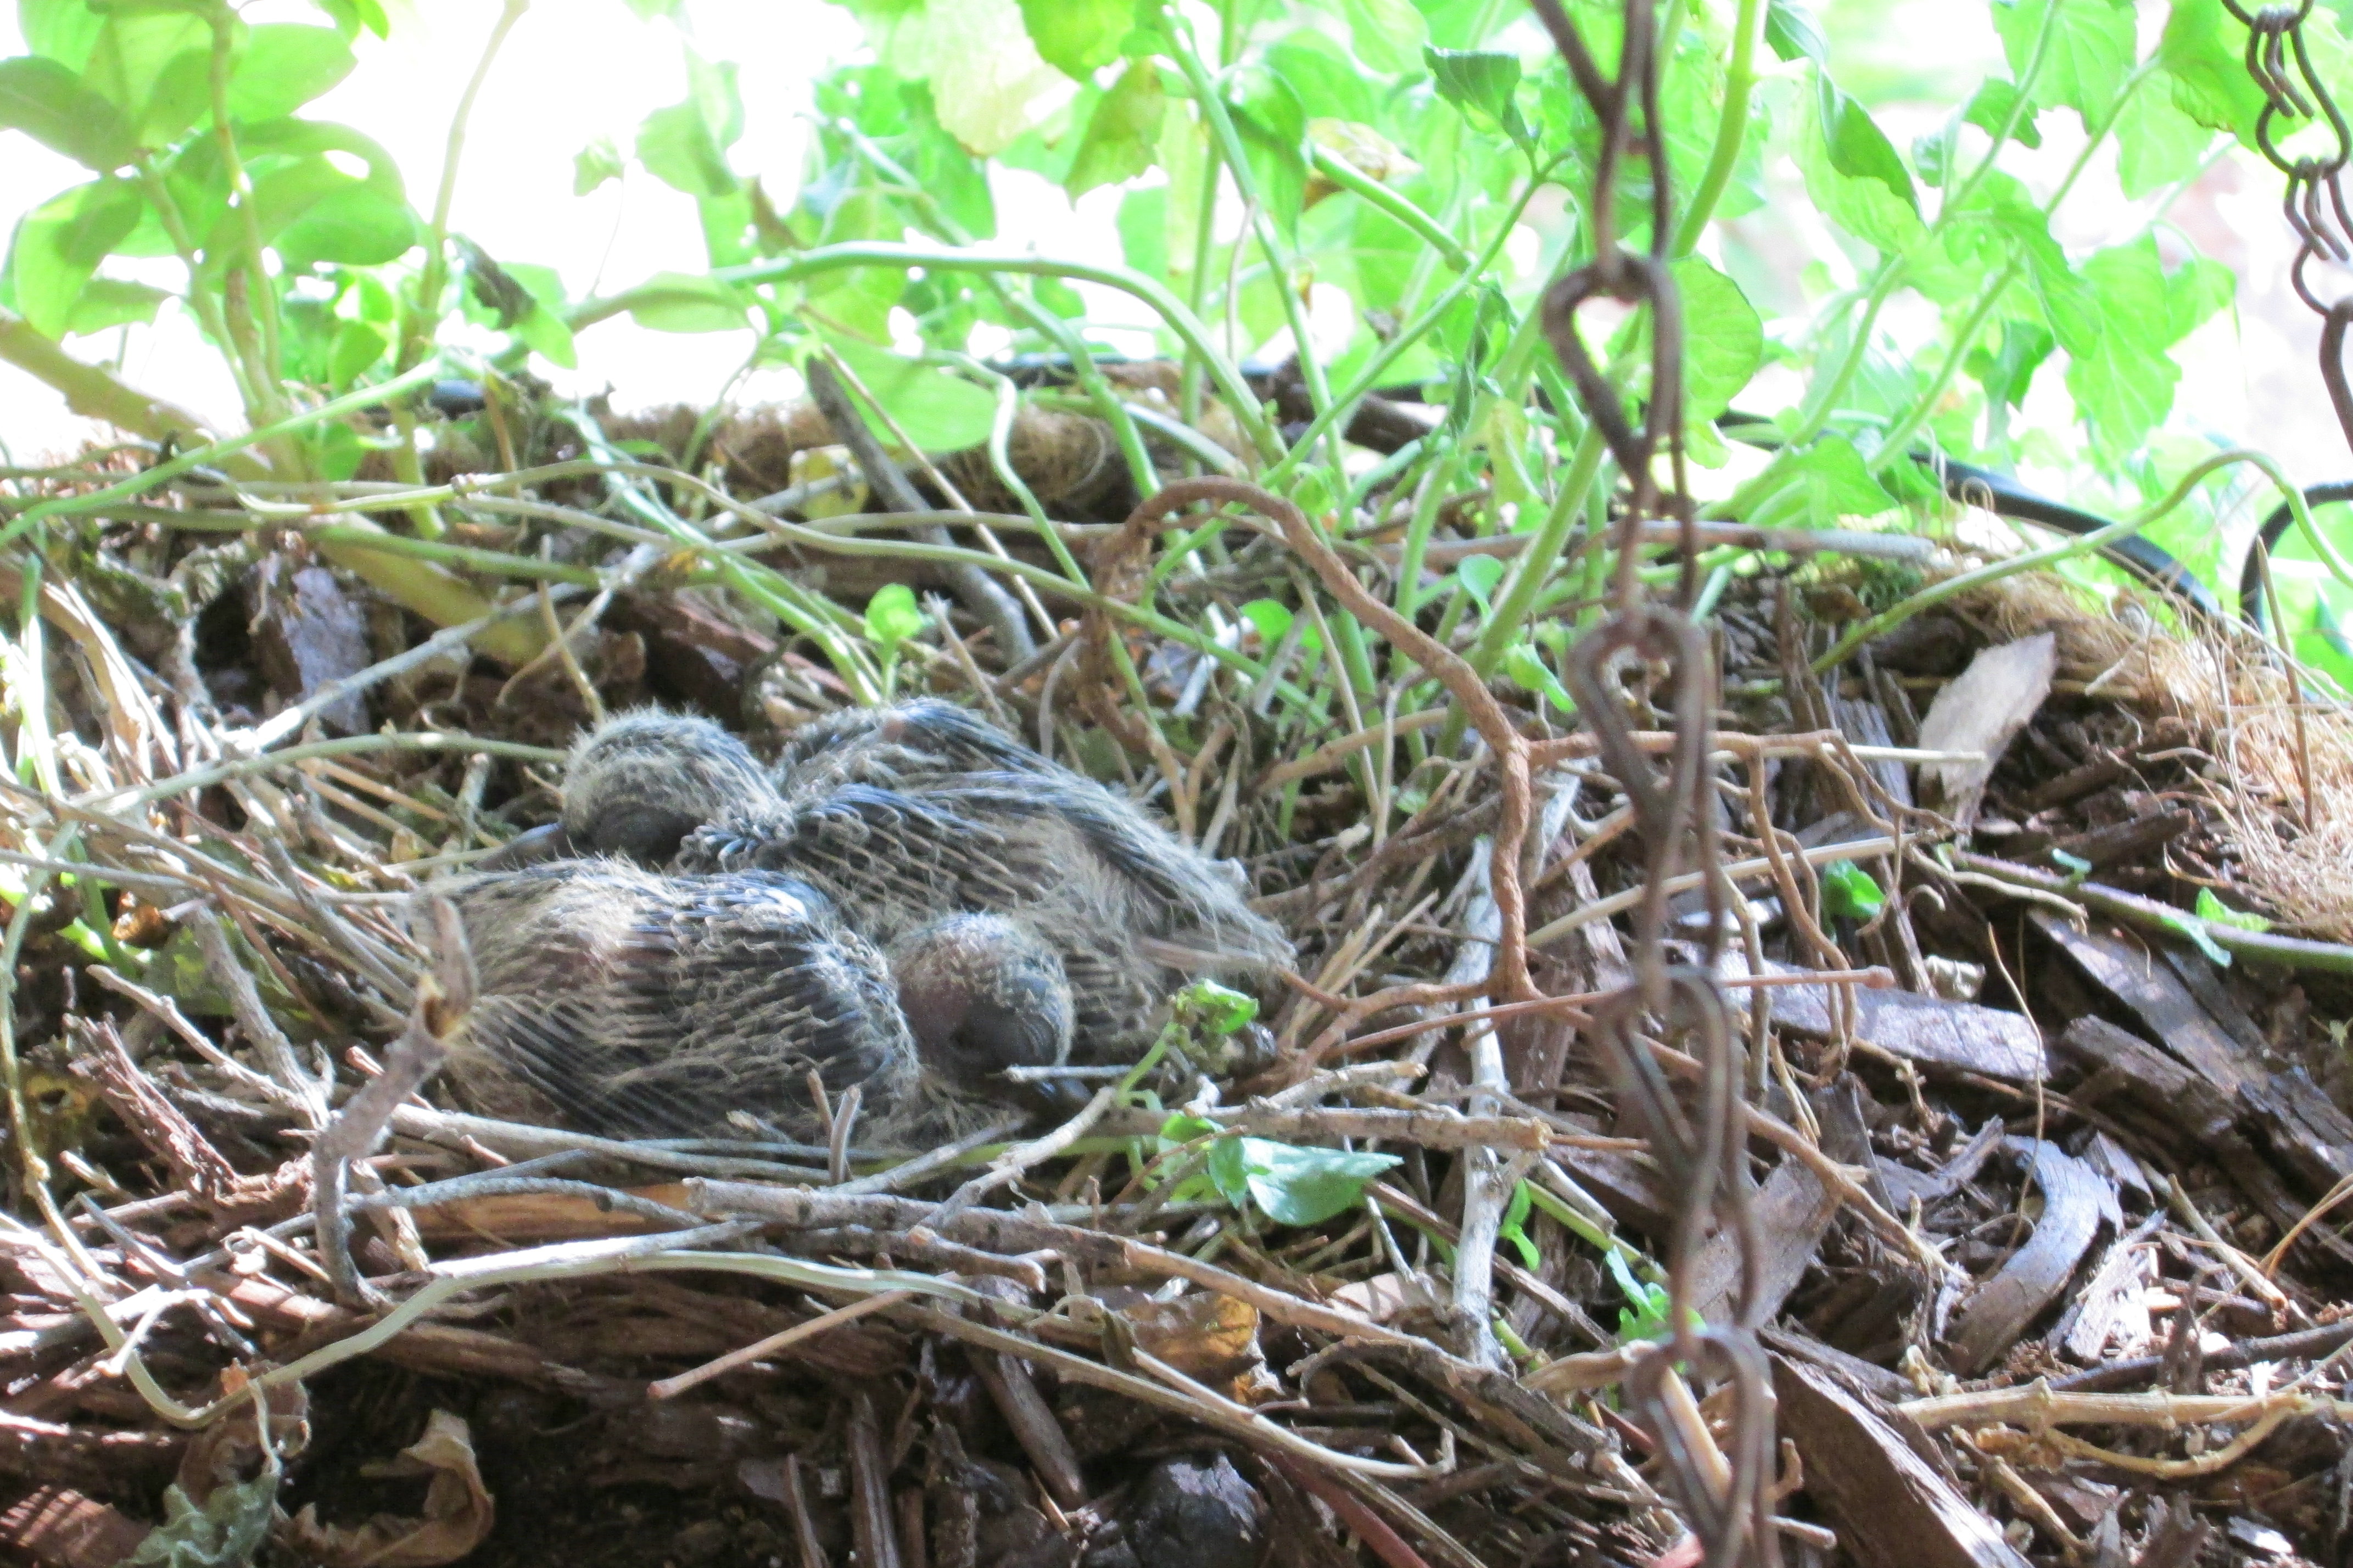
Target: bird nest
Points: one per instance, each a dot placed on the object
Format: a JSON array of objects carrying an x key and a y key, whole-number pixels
[{"x": 1352, "y": 1264}]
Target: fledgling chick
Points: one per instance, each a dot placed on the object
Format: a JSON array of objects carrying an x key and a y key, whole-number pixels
[
  {"x": 898, "y": 813},
  {"x": 624, "y": 1002}
]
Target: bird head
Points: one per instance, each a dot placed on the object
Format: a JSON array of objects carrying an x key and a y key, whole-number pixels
[
  {"x": 982, "y": 994},
  {"x": 641, "y": 782}
]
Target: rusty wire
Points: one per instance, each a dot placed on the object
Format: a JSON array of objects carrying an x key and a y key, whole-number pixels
[
  {"x": 1701, "y": 1148},
  {"x": 2294, "y": 93}
]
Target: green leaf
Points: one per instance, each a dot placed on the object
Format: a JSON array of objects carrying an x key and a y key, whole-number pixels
[
  {"x": 1813, "y": 487},
  {"x": 2124, "y": 385},
  {"x": 1793, "y": 32},
  {"x": 712, "y": 89},
  {"x": 356, "y": 348},
  {"x": 940, "y": 412},
  {"x": 595, "y": 164},
  {"x": 351, "y": 16},
  {"x": 892, "y": 617},
  {"x": 50, "y": 103},
  {"x": 1143, "y": 224},
  {"x": 60, "y": 30},
  {"x": 106, "y": 303},
  {"x": 2203, "y": 55},
  {"x": 155, "y": 68},
  {"x": 1389, "y": 34},
  {"x": 1529, "y": 672},
  {"x": 1481, "y": 82},
  {"x": 686, "y": 303},
  {"x": 283, "y": 67},
  {"x": 60, "y": 245},
  {"x": 1292, "y": 1186},
  {"x": 676, "y": 144},
  {"x": 2075, "y": 866},
  {"x": 1272, "y": 122},
  {"x": 988, "y": 81},
  {"x": 1212, "y": 1008},
  {"x": 2156, "y": 143},
  {"x": 543, "y": 329},
  {"x": 1122, "y": 134},
  {"x": 1644, "y": 1316},
  {"x": 1479, "y": 574},
  {"x": 223, "y": 1533},
  {"x": 1229, "y": 1170},
  {"x": 1724, "y": 340},
  {"x": 1849, "y": 892},
  {"x": 1272, "y": 620},
  {"x": 1989, "y": 108},
  {"x": 358, "y": 225},
  {"x": 2194, "y": 930},
  {"x": 1854, "y": 173},
  {"x": 1325, "y": 75},
  {"x": 2089, "y": 54},
  {"x": 1075, "y": 37},
  {"x": 2211, "y": 908},
  {"x": 2007, "y": 371},
  {"x": 1513, "y": 1228}
]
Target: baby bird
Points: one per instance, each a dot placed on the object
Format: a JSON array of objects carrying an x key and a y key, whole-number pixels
[
  {"x": 896, "y": 814},
  {"x": 628, "y": 1004}
]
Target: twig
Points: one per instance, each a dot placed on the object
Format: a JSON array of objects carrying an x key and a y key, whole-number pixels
[
  {"x": 671, "y": 1387},
  {"x": 1040, "y": 1436},
  {"x": 980, "y": 592},
  {"x": 444, "y": 996},
  {"x": 1008, "y": 1166}
]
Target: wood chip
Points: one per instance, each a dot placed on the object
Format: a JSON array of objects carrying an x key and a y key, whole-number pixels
[
  {"x": 1982, "y": 710},
  {"x": 2075, "y": 1198},
  {"x": 1887, "y": 1503}
]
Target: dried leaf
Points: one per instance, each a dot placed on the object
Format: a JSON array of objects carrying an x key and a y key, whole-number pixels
[
  {"x": 459, "y": 1511},
  {"x": 1982, "y": 710}
]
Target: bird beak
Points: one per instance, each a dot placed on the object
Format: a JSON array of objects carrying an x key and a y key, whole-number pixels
[
  {"x": 548, "y": 843},
  {"x": 1064, "y": 1096}
]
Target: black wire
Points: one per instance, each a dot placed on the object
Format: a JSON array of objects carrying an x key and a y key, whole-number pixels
[
  {"x": 2274, "y": 528},
  {"x": 1964, "y": 482}
]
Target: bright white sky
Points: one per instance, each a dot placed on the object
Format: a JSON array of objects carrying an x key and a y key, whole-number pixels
[{"x": 574, "y": 70}]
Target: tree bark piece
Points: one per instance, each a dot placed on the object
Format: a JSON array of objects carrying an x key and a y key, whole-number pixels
[
  {"x": 1888, "y": 1504},
  {"x": 2075, "y": 1200}
]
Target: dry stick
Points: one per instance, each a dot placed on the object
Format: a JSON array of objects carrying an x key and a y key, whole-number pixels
[
  {"x": 1486, "y": 1190},
  {"x": 1429, "y": 1126},
  {"x": 872, "y": 1525},
  {"x": 1041, "y": 1436},
  {"x": 1837, "y": 1177},
  {"x": 812, "y": 1550},
  {"x": 1008, "y": 1166},
  {"x": 1234, "y": 1420},
  {"x": 2321, "y": 1341},
  {"x": 444, "y": 996},
  {"x": 2245, "y": 1266},
  {"x": 1451, "y": 671},
  {"x": 245, "y": 1000},
  {"x": 933, "y": 1160},
  {"x": 168, "y": 1011},
  {"x": 671, "y": 1387},
  {"x": 999, "y": 1230},
  {"x": 980, "y": 592},
  {"x": 1370, "y": 1528}
]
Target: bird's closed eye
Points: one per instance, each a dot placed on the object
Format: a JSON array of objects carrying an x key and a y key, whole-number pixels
[{"x": 639, "y": 831}]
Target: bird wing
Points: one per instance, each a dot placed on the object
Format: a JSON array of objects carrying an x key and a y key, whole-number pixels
[
  {"x": 885, "y": 855},
  {"x": 722, "y": 996}
]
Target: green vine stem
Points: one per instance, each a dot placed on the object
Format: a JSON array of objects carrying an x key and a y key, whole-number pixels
[
  {"x": 2086, "y": 545},
  {"x": 1731, "y": 131},
  {"x": 440, "y": 595},
  {"x": 1149, "y": 292}
]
